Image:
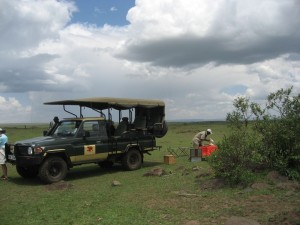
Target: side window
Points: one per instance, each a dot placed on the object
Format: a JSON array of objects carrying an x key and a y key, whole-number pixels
[{"x": 95, "y": 128}]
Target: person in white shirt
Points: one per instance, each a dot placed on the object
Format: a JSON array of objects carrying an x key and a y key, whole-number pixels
[
  {"x": 3, "y": 141},
  {"x": 200, "y": 137}
]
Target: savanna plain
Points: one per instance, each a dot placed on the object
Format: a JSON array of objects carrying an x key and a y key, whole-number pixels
[{"x": 187, "y": 193}]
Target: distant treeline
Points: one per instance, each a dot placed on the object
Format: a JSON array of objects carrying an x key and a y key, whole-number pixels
[{"x": 23, "y": 126}]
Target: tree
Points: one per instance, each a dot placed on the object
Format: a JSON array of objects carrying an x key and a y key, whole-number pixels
[
  {"x": 280, "y": 128},
  {"x": 242, "y": 113}
]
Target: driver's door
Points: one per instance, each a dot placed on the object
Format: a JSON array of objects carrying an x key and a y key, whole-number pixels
[{"x": 91, "y": 142}]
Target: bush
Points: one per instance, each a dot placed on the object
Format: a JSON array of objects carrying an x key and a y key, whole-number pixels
[
  {"x": 238, "y": 158},
  {"x": 280, "y": 132},
  {"x": 271, "y": 139}
]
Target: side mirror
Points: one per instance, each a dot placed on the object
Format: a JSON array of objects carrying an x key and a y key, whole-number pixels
[{"x": 45, "y": 132}]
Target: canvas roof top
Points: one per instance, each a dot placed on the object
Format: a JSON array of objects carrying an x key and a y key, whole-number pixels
[{"x": 101, "y": 103}]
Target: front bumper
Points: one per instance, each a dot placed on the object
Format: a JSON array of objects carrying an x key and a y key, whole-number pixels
[{"x": 28, "y": 160}]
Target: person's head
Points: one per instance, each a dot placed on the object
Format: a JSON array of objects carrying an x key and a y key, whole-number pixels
[
  {"x": 209, "y": 131},
  {"x": 2, "y": 131},
  {"x": 125, "y": 119},
  {"x": 56, "y": 120}
]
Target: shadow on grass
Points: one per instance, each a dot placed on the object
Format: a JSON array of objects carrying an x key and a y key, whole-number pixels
[
  {"x": 151, "y": 164},
  {"x": 94, "y": 170},
  {"x": 88, "y": 171},
  {"x": 80, "y": 172},
  {"x": 26, "y": 181}
]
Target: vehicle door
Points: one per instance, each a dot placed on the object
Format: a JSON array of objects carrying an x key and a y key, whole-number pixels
[{"x": 91, "y": 142}]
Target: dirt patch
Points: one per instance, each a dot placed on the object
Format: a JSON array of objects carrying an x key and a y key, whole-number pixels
[
  {"x": 282, "y": 182},
  {"x": 180, "y": 168},
  {"x": 191, "y": 222},
  {"x": 241, "y": 221},
  {"x": 275, "y": 177},
  {"x": 183, "y": 170},
  {"x": 286, "y": 218},
  {"x": 156, "y": 172},
  {"x": 290, "y": 185},
  {"x": 62, "y": 185},
  {"x": 212, "y": 184},
  {"x": 204, "y": 174},
  {"x": 184, "y": 193},
  {"x": 260, "y": 186}
]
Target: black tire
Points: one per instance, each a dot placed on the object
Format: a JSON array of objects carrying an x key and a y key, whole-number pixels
[
  {"x": 53, "y": 169},
  {"x": 27, "y": 172},
  {"x": 161, "y": 132},
  {"x": 132, "y": 160}
]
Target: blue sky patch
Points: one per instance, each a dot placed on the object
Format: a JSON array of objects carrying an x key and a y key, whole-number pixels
[
  {"x": 100, "y": 12},
  {"x": 236, "y": 89}
]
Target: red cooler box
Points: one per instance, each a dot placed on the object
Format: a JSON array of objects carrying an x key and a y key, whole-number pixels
[{"x": 208, "y": 149}]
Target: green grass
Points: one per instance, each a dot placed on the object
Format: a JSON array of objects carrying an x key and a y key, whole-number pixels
[{"x": 139, "y": 200}]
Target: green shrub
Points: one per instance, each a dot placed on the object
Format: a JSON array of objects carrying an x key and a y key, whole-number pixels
[
  {"x": 280, "y": 128},
  {"x": 261, "y": 138},
  {"x": 238, "y": 158}
]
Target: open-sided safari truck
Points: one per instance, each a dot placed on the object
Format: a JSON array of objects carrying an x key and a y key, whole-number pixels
[{"x": 79, "y": 140}]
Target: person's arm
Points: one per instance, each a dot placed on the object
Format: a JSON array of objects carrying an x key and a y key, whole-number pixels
[
  {"x": 1, "y": 141},
  {"x": 207, "y": 139}
]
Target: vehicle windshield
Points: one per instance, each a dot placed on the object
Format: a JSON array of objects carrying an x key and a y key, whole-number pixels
[{"x": 67, "y": 128}]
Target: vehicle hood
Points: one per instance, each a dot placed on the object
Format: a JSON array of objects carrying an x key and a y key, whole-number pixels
[{"x": 39, "y": 141}]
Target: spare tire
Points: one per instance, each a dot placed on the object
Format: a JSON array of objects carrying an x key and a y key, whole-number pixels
[{"x": 160, "y": 131}]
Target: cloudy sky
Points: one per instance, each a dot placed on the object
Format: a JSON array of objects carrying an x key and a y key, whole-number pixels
[{"x": 195, "y": 55}]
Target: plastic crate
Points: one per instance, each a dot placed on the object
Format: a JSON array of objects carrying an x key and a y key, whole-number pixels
[{"x": 208, "y": 149}]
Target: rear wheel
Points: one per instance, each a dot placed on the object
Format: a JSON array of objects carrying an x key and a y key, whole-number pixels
[
  {"x": 132, "y": 160},
  {"x": 53, "y": 169},
  {"x": 27, "y": 172}
]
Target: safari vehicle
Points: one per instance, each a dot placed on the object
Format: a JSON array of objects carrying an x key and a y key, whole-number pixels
[{"x": 80, "y": 140}]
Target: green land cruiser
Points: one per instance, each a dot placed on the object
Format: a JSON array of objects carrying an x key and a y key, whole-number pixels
[{"x": 80, "y": 140}]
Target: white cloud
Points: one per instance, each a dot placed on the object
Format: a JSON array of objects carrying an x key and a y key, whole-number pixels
[
  {"x": 188, "y": 53},
  {"x": 13, "y": 111},
  {"x": 113, "y": 9},
  {"x": 181, "y": 34},
  {"x": 162, "y": 19},
  {"x": 277, "y": 73},
  {"x": 24, "y": 24}
]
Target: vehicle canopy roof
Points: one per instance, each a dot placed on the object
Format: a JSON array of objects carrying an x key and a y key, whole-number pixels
[{"x": 101, "y": 103}]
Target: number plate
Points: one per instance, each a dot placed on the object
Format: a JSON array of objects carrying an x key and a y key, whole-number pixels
[{"x": 11, "y": 157}]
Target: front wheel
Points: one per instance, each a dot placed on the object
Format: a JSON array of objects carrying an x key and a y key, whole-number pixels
[
  {"x": 53, "y": 169},
  {"x": 132, "y": 160},
  {"x": 27, "y": 171}
]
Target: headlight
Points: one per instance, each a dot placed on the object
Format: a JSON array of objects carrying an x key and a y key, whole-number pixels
[
  {"x": 29, "y": 150},
  {"x": 38, "y": 150}
]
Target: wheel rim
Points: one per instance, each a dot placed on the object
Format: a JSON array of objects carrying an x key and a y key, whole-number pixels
[
  {"x": 133, "y": 159},
  {"x": 54, "y": 170}
]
